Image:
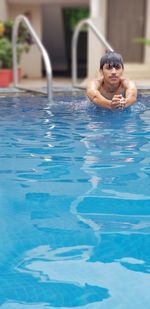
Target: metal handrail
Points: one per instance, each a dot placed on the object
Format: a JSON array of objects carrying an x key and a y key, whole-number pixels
[
  {"x": 98, "y": 34},
  {"x": 48, "y": 67}
]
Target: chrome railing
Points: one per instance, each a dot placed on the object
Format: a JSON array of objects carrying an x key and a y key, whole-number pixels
[
  {"x": 98, "y": 34},
  {"x": 43, "y": 51}
]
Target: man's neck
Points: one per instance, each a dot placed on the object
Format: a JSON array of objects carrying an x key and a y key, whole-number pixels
[{"x": 111, "y": 88}]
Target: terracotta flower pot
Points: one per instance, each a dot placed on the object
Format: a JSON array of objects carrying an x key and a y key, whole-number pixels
[
  {"x": 19, "y": 74},
  {"x": 4, "y": 78}
]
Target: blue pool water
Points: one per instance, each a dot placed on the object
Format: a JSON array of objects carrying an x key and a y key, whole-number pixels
[{"x": 74, "y": 204}]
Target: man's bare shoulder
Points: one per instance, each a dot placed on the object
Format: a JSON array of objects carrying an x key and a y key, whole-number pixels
[
  {"x": 127, "y": 83},
  {"x": 130, "y": 91},
  {"x": 95, "y": 83}
]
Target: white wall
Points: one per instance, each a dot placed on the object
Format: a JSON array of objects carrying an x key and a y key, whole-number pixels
[
  {"x": 147, "y": 34},
  {"x": 95, "y": 48},
  {"x": 30, "y": 62},
  {"x": 3, "y": 10}
]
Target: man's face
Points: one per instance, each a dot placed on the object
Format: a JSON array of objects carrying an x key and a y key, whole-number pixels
[{"x": 112, "y": 72}]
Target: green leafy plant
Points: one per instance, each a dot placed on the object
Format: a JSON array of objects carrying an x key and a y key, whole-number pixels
[
  {"x": 23, "y": 43},
  {"x": 142, "y": 41},
  {"x": 74, "y": 15}
]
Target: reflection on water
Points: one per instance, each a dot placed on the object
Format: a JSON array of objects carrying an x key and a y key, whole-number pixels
[{"x": 75, "y": 205}]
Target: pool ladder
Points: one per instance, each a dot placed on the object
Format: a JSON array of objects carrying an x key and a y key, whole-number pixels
[
  {"x": 48, "y": 67},
  {"x": 99, "y": 36}
]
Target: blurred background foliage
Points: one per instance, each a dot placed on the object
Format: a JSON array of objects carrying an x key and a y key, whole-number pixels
[{"x": 74, "y": 15}]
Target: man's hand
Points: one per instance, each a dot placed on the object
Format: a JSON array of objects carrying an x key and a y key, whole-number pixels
[{"x": 118, "y": 101}]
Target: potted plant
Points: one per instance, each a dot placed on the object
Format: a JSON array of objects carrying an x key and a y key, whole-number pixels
[{"x": 6, "y": 55}]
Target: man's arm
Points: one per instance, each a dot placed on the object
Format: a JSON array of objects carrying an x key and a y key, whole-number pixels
[
  {"x": 130, "y": 93},
  {"x": 95, "y": 96}
]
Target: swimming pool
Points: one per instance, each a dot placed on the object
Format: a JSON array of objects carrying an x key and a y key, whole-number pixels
[{"x": 75, "y": 204}]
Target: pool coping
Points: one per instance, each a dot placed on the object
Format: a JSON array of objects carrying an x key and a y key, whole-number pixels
[{"x": 12, "y": 91}]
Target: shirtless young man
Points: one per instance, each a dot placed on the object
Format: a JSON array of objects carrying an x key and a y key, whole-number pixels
[{"x": 112, "y": 90}]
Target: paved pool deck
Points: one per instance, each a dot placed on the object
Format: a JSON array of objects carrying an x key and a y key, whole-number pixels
[
  {"x": 67, "y": 82},
  {"x": 61, "y": 82}
]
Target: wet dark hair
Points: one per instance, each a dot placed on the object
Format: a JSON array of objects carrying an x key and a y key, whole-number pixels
[{"x": 111, "y": 58}]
